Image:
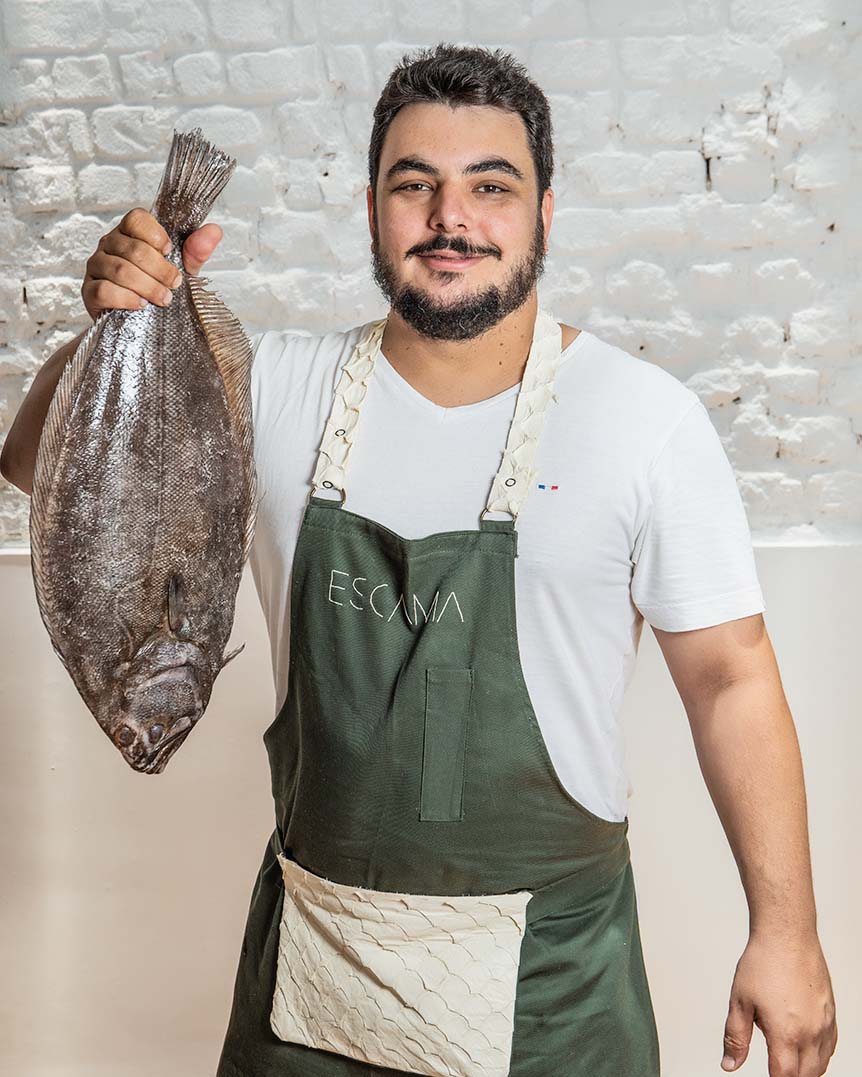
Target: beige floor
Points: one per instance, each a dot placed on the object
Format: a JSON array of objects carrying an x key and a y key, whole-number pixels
[{"x": 124, "y": 895}]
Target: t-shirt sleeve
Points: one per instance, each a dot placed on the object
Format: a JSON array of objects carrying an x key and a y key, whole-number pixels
[
  {"x": 255, "y": 339},
  {"x": 694, "y": 561}
]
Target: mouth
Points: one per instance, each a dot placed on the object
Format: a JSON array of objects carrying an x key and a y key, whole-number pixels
[
  {"x": 159, "y": 759},
  {"x": 451, "y": 262}
]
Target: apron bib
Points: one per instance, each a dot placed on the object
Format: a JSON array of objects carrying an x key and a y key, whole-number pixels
[{"x": 432, "y": 900}]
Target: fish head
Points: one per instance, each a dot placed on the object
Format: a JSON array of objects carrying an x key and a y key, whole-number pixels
[{"x": 156, "y": 716}]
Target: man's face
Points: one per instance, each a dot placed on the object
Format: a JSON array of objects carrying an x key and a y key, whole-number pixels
[{"x": 487, "y": 221}]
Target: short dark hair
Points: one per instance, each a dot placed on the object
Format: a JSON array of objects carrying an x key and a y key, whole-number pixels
[{"x": 466, "y": 75}]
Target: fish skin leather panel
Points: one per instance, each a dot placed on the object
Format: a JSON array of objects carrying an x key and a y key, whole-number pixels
[{"x": 420, "y": 983}]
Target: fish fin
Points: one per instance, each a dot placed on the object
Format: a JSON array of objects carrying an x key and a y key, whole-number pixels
[
  {"x": 49, "y": 450},
  {"x": 178, "y": 621},
  {"x": 232, "y": 350},
  {"x": 195, "y": 174},
  {"x": 229, "y": 657}
]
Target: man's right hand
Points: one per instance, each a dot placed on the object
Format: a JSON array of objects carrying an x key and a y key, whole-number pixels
[{"x": 129, "y": 268}]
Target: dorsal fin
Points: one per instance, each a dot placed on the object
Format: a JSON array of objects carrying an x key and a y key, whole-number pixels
[
  {"x": 232, "y": 350},
  {"x": 50, "y": 447}
]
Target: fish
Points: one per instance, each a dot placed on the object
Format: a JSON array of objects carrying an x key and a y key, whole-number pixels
[{"x": 144, "y": 496}]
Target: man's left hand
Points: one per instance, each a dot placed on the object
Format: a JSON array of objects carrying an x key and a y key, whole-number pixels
[{"x": 783, "y": 986}]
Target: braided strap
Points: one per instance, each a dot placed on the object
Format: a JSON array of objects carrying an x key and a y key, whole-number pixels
[
  {"x": 517, "y": 472},
  {"x": 340, "y": 430}
]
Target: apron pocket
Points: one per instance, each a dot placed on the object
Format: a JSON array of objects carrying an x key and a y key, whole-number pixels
[
  {"x": 417, "y": 983},
  {"x": 447, "y": 706}
]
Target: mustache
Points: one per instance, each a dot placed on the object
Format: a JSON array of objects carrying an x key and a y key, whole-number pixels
[{"x": 455, "y": 244}]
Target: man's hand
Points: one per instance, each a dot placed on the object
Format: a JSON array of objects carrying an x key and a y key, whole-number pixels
[
  {"x": 748, "y": 751},
  {"x": 784, "y": 988},
  {"x": 130, "y": 267}
]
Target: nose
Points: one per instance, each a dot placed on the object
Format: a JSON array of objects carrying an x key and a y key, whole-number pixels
[{"x": 449, "y": 210}]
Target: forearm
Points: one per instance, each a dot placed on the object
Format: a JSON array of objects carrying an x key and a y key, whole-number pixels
[
  {"x": 749, "y": 755},
  {"x": 22, "y": 441}
]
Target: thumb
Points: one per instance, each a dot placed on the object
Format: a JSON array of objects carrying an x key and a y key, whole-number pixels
[
  {"x": 737, "y": 1034},
  {"x": 199, "y": 246}
]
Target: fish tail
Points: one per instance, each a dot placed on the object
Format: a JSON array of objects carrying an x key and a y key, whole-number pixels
[{"x": 195, "y": 174}]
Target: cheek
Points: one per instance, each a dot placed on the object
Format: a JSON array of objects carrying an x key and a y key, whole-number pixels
[{"x": 401, "y": 225}]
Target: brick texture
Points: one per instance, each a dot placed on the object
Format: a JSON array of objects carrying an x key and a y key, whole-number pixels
[{"x": 705, "y": 159}]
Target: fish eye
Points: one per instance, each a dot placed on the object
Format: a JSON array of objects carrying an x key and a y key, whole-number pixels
[
  {"x": 126, "y": 736},
  {"x": 156, "y": 731}
]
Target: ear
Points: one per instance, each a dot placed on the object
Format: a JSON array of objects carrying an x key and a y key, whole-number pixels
[
  {"x": 547, "y": 213},
  {"x": 369, "y": 201}
]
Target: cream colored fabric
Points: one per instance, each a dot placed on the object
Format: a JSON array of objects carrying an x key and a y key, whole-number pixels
[
  {"x": 418, "y": 983},
  {"x": 340, "y": 430},
  {"x": 517, "y": 472}
]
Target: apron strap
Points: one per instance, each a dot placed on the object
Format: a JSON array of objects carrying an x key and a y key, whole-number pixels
[
  {"x": 517, "y": 471},
  {"x": 340, "y": 430}
]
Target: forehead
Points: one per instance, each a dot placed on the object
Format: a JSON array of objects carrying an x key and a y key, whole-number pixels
[{"x": 443, "y": 134}]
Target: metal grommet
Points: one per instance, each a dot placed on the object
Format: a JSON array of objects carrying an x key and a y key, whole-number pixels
[
  {"x": 340, "y": 432},
  {"x": 510, "y": 482},
  {"x": 327, "y": 484}
]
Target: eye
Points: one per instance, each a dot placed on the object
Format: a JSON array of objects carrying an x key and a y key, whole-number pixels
[{"x": 408, "y": 186}]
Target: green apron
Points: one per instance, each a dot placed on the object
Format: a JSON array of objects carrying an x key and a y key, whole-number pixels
[{"x": 409, "y": 774}]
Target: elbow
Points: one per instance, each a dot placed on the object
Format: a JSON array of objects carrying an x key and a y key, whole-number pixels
[{"x": 11, "y": 472}]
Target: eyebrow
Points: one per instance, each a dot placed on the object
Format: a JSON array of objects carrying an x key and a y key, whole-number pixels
[{"x": 489, "y": 164}]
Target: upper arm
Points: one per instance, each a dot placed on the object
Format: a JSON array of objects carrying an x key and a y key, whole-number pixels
[
  {"x": 693, "y": 559},
  {"x": 704, "y": 661}
]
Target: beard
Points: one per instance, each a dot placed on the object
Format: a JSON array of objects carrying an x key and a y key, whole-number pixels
[{"x": 472, "y": 314}]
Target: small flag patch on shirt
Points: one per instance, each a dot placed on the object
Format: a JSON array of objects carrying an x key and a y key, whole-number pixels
[{"x": 544, "y": 486}]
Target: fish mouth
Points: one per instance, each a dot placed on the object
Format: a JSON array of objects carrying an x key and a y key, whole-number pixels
[
  {"x": 161, "y": 754},
  {"x": 159, "y": 760},
  {"x": 156, "y": 762}
]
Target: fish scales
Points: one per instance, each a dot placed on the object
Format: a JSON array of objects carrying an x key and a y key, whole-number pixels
[{"x": 144, "y": 494}]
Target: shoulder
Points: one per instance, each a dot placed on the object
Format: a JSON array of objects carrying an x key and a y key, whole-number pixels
[
  {"x": 632, "y": 394},
  {"x": 291, "y": 368},
  {"x": 278, "y": 346},
  {"x": 282, "y": 358},
  {"x": 636, "y": 385}
]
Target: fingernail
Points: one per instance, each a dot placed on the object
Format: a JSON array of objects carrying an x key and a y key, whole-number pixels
[
  {"x": 142, "y": 303},
  {"x": 177, "y": 281},
  {"x": 728, "y": 1063},
  {"x": 168, "y": 247},
  {"x": 167, "y": 297}
]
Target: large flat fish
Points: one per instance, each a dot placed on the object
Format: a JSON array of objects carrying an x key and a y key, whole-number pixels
[{"x": 144, "y": 493}]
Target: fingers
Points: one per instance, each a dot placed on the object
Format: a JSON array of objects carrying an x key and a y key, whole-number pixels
[
  {"x": 782, "y": 1060},
  {"x": 130, "y": 268},
  {"x": 99, "y": 295},
  {"x": 124, "y": 272},
  {"x": 139, "y": 224},
  {"x": 737, "y": 1036},
  {"x": 199, "y": 247}
]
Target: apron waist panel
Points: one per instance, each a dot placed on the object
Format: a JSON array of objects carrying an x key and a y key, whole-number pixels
[{"x": 562, "y": 894}]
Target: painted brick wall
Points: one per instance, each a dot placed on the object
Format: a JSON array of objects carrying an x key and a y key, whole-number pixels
[{"x": 707, "y": 178}]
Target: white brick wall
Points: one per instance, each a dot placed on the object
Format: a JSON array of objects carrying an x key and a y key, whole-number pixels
[{"x": 707, "y": 171}]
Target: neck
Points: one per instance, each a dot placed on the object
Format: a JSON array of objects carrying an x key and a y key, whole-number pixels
[{"x": 456, "y": 372}]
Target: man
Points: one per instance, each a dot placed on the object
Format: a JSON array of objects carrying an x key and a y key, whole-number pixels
[{"x": 455, "y": 588}]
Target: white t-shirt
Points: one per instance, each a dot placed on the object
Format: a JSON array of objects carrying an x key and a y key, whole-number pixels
[{"x": 639, "y": 518}]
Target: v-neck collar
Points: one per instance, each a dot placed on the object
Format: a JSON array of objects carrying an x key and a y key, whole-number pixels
[{"x": 458, "y": 411}]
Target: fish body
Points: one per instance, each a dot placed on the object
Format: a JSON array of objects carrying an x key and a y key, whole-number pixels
[{"x": 143, "y": 505}]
